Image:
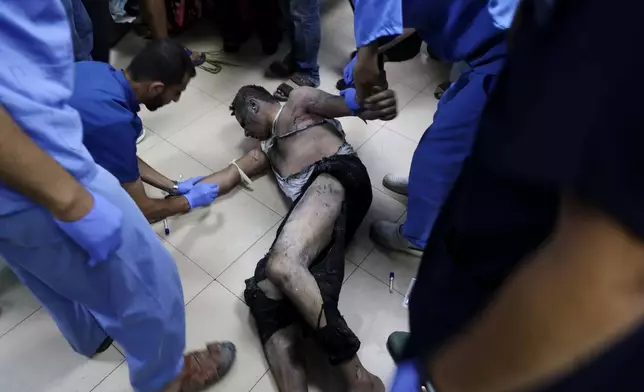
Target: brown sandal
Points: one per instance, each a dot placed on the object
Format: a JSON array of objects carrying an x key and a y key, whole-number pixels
[
  {"x": 282, "y": 92},
  {"x": 204, "y": 368}
]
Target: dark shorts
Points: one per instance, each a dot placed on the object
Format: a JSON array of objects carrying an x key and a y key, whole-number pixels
[{"x": 327, "y": 269}]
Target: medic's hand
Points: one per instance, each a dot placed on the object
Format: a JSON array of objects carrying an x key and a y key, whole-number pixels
[
  {"x": 380, "y": 106},
  {"x": 366, "y": 74},
  {"x": 407, "y": 378},
  {"x": 202, "y": 194},
  {"x": 185, "y": 186},
  {"x": 98, "y": 232}
]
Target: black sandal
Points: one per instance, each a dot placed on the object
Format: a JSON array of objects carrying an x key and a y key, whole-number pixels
[{"x": 282, "y": 92}]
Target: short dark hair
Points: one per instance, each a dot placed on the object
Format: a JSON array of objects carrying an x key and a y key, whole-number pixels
[
  {"x": 162, "y": 60},
  {"x": 240, "y": 102}
]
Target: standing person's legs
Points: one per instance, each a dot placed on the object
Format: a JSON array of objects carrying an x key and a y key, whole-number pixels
[
  {"x": 134, "y": 297},
  {"x": 437, "y": 162},
  {"x": 307, "y": 33},
  {"x": 99, "y": 13}
]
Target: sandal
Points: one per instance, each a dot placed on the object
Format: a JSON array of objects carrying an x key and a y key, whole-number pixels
[
  {"x": 282, "y": 92},
  {"x": 199, "y": 60},
  {"x": 304, "y": 80},
  {"x": 204, "y": 368}
]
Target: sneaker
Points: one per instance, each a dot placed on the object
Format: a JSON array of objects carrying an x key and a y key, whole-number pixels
[
  {"x": 396, "y": 344},
  {"x": 396, "y": 183},
  {"x": 141, "y": 136},
  {"x": 388, "y": 235}
]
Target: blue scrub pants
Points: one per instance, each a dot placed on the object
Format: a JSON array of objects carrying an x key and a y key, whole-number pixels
[
  {"x": 439, "y": 156},
  {"x": 135, "y": 297}
]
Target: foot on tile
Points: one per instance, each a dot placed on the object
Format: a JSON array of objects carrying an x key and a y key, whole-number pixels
[
  {"x": 302, "y": 78},
  {"x": 396, "y": 344},
  {"x": 204, "y": 368},
  {"x": 281, "y": 69},
  {"x": 388, "y": 235},
  {"x": 359, "y": 379},
  {"x": 104, "y": 346},
  {"x": 396, "y": 183}
]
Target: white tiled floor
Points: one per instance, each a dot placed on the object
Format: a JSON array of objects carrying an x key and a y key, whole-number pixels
[{"x": 216, "y": 248}]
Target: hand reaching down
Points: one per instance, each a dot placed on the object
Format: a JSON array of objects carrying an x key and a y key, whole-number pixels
[
  {"x": 382, "y": 105},
  {"x": 202, "y": 194}
]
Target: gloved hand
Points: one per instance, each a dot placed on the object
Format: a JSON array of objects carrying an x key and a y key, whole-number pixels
[
  {"x": 185, "y": 186},
  {"x": 407, "y": 378},
  {"x": 202, "y": 194},
  {"x": 98, "y": 232},
  {"x": 348, "y": 71}
]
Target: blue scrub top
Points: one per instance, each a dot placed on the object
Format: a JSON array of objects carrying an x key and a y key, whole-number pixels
[
  {"x": 538, "y": 140},
  {"x": 36, "y": 81},
  {"x": 108, "y": 109},
  {"x": 455, "y": 30}
]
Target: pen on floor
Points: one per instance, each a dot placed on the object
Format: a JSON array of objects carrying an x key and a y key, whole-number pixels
[{"x": 391, "y": 282}]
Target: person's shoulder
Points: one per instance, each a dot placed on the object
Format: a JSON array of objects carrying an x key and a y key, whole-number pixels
[{"x": 93, "y": 68}]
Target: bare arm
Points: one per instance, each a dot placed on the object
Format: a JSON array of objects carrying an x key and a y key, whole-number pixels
[
  {"x": 253, "y": 163},
  {"x": 381, "y": 105},
  {"x": 31, "y": 171},
  {"x": 153, "y": 177},
  {"x": 575, "y": 297},
  {"x": 155, "y": 209}
]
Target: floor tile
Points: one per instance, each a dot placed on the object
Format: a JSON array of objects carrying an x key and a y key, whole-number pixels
[
  {"x": 244, "y": 267},
  {"x": 382, "y": 207},
  {"x": 373, "y": 313},
  {"x": 193, "y": 278},
  {"x": 117, "y": 381},
  {"x": 215, "y": 236},
  {"x": 36, "y": 357},
  {"x": 216, "y": 314},
  {"x": 129, "y": 46},
  {"x": 16, "y": 301},
  {"x": 214, "y": 140},
  {"x": 266, "y": 191},
  {"x": 171, "y": 118},
  {"x": 266, "y": 384},
  {"x": 381, "y": 262},
  {"x": 415, "y": 118},
  {"x": 387, "y": 152},
  {"x": 172, "y": 163}
]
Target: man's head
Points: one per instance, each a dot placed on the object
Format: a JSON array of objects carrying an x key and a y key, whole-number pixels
[
  {"x": 160, "y": 73},
  {"x": 255, "y": 110}
]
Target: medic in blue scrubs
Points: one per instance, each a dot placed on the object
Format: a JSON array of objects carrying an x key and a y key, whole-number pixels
[
  {"x": 455, "y": 30},
  {"x": 68, "y": 229}
]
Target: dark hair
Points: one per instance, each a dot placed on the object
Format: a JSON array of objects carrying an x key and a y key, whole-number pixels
[
  {"x": 161, "y": 60},
  {"x": 240, "y": 102}
]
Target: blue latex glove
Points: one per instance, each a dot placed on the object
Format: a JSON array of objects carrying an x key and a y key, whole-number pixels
[
  {"x": 202, "y": 194},
  {"x": 349, "y": 95},
  {"x": 185, "y": 186},
  {"x": 98, "y": 232},
  {"x": 407, "y": 378},
  {"x": 348, "y": 72}
]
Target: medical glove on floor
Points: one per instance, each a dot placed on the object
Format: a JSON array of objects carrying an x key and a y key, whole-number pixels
[
  {"x": 98, "y": 232},
  {"x": 202, "y": 195},
  {"x": 187, "y": 185}
]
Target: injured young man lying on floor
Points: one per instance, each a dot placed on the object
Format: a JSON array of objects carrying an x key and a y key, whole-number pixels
[{"x": 296, "y": 287}]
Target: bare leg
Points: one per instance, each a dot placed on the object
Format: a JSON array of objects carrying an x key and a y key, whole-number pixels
[
  {"x": 253, "y": 163},
  {"x": 306, "y": 233},
  {"x": 155, "y": 16},
  {"x": 283, "y": 351}
]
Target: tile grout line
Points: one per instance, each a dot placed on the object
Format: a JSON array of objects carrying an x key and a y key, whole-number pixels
[
  {"x": 21, "y": 321},
  {"x": 379, "y": 280},
  {"x": 109, "y": 374},
  {"x": 260, "y": 379}
]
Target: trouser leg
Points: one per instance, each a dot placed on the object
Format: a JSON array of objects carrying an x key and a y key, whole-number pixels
[
  {"x": 305, "y": 15},
  {"x": 439, "y": 157},
  {"x": 135, "y": 296},
  {"x": 99, "y": 13}
]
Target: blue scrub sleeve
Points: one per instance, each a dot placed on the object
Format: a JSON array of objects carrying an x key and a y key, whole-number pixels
[
  {"x": 563, "y": 127},
  {"x": 376, "y": 18}
]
